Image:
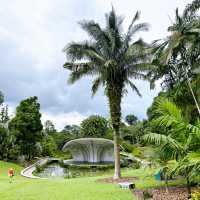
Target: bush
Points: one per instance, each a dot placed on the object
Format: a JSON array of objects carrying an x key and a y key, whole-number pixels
[
  {"x": 147, "y": 195},
  {"x": 127, "y": 147},
  {"x": 136, "y": 152},
  {"x": 39, "y": 168},
  {"x": 195, "y": 196}
]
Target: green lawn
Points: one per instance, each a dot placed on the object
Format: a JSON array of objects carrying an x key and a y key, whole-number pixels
[{"x": 68, "y": 189}]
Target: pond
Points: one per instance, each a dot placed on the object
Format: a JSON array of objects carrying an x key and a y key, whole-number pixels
[{"x": 56, "y": 170}]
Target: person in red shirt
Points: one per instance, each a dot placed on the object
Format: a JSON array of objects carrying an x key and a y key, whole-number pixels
[{"x": 11, "y": 174}]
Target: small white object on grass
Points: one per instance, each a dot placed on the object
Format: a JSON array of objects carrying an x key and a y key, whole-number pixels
[{"x": 126, "y": 185}]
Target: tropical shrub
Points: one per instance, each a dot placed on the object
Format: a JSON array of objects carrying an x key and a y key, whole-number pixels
[{"x": 176, "y": 143}]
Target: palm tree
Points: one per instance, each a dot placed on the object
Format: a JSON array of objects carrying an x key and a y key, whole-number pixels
[
  {"x": 177, "y": 143},
  {"x": 113, "y": 59},
  {"x": 180, "y": 51}
]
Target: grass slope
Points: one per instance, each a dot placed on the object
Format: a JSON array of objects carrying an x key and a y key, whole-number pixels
[
  {"x": 57, "y": 189},
  {"x": 71, "y": 189}
]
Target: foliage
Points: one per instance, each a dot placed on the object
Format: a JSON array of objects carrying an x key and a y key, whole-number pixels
[
  {"x": 131, "y": 119},
  {"x": 26, "y": 126},
  {"x": 1, "y": 98},
  {"x": 61, "y": 138},
  {"x": 176, "y": 145},
  {"x": 147, "y": 195},
  {"x": 94, "y": 126},
  {"x": 177, "y": 58},
  {"x": 133, "y": 133},
  {"x": 74, "y": 130},
  {"x": 137, "y": 152},
  {"x": 182, "y": 41},
  {"x": 4, "y": 114},
  {"x": 8, "y": 149},
  {"x": 48, "y": 146},
  {"x": 127, "y": 147},
  {"x": 49, "y": 127},
  {"x": 195, "y": 196}
]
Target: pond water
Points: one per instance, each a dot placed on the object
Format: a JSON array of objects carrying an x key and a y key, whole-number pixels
[{"x": 55, "y": 170}]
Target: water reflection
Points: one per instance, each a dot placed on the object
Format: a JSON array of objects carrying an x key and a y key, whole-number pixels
[{"x": 55, "y": 170}]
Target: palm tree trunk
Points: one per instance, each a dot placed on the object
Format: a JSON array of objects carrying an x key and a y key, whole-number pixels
[
  {"x": 191, "y": 90},
  {"x": 114, "y": 97},
  {"x": 117, "y": 173},
  {"x": 166, "y": 184}
]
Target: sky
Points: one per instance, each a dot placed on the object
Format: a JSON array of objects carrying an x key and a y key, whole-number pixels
[{"x": 33, "y": 34}]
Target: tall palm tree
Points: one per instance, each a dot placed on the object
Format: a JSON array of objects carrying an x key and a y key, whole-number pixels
[
  {"x": 179, "y": 52},
  {"x": 113, "y": 59}
]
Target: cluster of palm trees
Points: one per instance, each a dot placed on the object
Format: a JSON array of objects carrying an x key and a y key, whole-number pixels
[{"x": 115, "y": 60}]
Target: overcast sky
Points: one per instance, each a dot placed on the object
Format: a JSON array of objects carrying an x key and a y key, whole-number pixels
[{"x": 32, "y": 36}]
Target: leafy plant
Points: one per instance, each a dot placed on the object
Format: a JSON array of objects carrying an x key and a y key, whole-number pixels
[{"x": 175, "y": 145}]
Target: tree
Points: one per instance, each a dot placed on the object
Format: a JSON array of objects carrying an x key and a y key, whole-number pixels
[
  {"x": 61, "y": 138},
  {"x": 49, "y": 127},
  {"x": 1, "y": 98},
  {"x": 94, "y": 126},
  {"x": 6, "y": 143},
  {"x": 133, "y": 133},
  {"x": 131, "y": 119},
  {"x": 27, "y": 126},
  {"x": 72, "y": 129},
  {"x": 178, "y": 143},
  {"x": 179, "y": 53},
  {"x": 113, "y": 59},
  {"x": 48, "y": 146},
  {"x": 4, "y": 118}
]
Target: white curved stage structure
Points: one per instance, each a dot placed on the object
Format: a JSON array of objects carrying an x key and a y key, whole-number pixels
[{"x": 91, "y": 150}]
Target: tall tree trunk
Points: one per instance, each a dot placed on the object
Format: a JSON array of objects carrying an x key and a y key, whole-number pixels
[
  {"x": 189, "y": 85},
  {"x": 191, "y": 90},
  {"x": 114, "y": 97},
  {"x": 117, "y": 173},
  {"x": 166, "y": 184}
]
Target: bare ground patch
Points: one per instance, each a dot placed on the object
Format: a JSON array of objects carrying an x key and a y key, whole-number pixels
[{"x": 174, "y": 193}]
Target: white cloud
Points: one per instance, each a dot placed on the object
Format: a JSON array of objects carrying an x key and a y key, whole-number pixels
[{"x": 62, "y": 119}]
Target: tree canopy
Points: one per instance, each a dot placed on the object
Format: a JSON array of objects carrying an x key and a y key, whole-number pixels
[
  {"x": 26, "y": 125},
  {"x": 94, "y": 126},
  {"x": 131, "y": 119}
]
